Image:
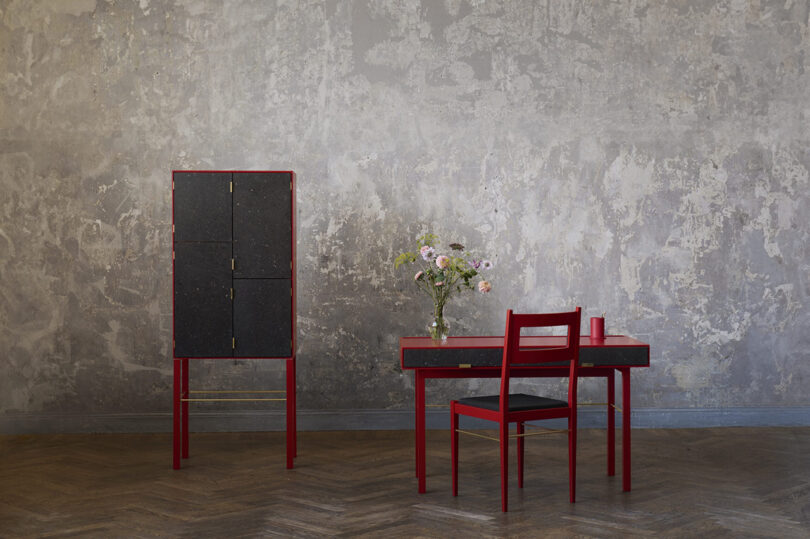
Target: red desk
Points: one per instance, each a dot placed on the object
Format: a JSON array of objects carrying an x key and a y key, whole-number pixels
[{"x": 480, "y": 357}]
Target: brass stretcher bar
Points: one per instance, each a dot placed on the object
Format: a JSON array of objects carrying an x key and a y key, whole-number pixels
[
  {"x": 233, "y": 392},
  {"x": 525, "y": 434},
  {"x": 229, "y": 400},
  {"x": 599, "y": 404},
  {"x": 237, "y": 391}
]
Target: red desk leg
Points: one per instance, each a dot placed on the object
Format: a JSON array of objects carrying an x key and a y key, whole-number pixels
[
  {"x": 177, "y": 418},
  {"x": 416, "y": 426},
  {"x": 185, "y": 394},
  {"x": 290, "y": 412},
  {"x": 626, "y": 429},
  {"x": 420, "y": 429},
  {"x": 611, "y": 424}
]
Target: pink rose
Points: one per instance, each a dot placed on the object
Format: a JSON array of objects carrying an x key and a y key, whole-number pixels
[
  {"x": 418, "y": 275},
  {"x": 443, "y": 262},
  {"x": 440, "y": 283},
  {"x": 484, "y": 287}
]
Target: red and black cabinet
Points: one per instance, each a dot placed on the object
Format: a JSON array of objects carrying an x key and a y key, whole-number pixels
[{"x": 234, "y": 283}]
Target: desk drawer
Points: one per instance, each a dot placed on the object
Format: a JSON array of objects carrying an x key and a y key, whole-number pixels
[{"x": 637, "y": 356}]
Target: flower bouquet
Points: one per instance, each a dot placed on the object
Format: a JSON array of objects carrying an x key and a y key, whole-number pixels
[{"x": 442, "y": 275}]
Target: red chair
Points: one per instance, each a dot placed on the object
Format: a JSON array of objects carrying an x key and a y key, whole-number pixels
[{"x": 517, "y": 408}]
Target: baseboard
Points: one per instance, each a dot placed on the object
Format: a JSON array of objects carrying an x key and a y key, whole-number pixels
[{"x": 311, "y": 420}]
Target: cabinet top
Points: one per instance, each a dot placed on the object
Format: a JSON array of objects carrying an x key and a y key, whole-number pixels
[{"x": 237, "y": 171}]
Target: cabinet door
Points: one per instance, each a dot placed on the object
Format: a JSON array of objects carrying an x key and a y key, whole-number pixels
[
  {"x": 262, "y": 224},
  {"x": 202, "y": 206},
  {"x": 202, "y": 300},
  {"x": 262, "y": 317}
]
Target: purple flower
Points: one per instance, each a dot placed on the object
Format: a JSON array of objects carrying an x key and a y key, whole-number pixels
[
  {"x": 427, "y": 252},
  {"x": 475, "y": 263}
]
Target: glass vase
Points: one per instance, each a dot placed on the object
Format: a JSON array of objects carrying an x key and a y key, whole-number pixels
[{"x": 439, "y": 328}]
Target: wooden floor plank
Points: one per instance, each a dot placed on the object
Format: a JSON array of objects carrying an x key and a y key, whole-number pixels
[{"x": 729, "y": 482}]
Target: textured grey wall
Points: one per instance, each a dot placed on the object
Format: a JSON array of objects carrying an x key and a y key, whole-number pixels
[{"x": 647, "y": 159}]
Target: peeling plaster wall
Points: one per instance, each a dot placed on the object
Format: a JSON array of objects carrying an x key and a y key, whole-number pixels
[{"x": 647, "y": 159}]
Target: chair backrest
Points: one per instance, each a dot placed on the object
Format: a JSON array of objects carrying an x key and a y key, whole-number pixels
[{"x": 559, "y": 349}]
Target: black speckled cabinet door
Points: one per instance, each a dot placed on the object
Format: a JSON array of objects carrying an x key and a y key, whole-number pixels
[
  {"x": 202, "y": 206},
  {"x": 262, "y": 317},
  {"x": 262, "y": 224},
  {"x": 202, "y": 300}
]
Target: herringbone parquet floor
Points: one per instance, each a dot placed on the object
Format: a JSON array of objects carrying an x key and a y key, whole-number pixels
[{"x": 732, "y": 482}]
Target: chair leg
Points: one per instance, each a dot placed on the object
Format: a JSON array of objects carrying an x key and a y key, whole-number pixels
[
  {"x": 504, "y": 436},
  {"x": 520, "y": 453},
  {"x": 572, "y": 459},
  {"x": 454, "y": 445}
]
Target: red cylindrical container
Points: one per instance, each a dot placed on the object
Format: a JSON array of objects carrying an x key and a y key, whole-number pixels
[{"x": 597, "y": 327}]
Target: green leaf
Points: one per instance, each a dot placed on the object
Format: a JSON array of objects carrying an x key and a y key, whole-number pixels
[
  {"x": 427, "y": 239},
  {"x": 405, "y": 258}
]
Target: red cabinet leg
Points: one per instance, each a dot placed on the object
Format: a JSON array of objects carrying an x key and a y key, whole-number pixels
[
  {"x": 295, "y": 413},
  {"x": 290, "y": 412},
  {"x": 184, "y": 405},
  {"x": 177, "y": 435}
]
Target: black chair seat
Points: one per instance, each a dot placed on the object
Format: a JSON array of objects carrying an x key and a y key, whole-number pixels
[{"x": 517, "y": 402}]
